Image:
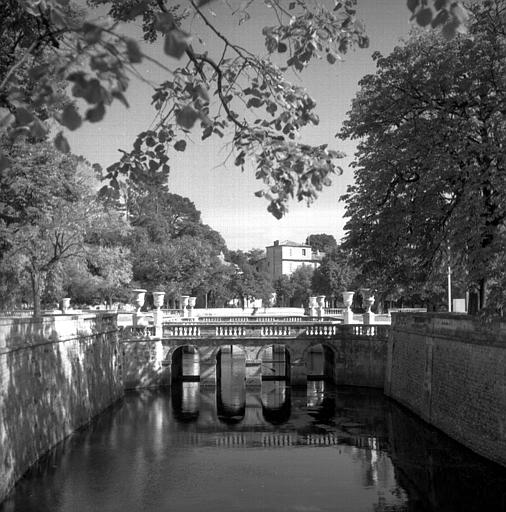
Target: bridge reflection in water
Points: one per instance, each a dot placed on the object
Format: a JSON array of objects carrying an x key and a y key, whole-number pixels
[
  {"x": 271, "y": 448},
  {"x": 231, "y": 364}
]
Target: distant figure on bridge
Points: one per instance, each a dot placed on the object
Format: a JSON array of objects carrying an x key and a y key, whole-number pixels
[{"x": 255, "y": 309}]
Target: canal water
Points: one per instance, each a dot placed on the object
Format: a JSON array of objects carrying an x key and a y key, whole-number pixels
[{"x": 273, "y": 449}]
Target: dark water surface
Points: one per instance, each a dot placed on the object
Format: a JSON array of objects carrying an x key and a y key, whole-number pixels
[{"x": 278, "y": 449}]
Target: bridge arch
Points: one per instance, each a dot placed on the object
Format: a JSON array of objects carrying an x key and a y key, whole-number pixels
[
  {"x": 275, "y": 361},
  {"x": 185, "y": 363},
  {"x": 320, "y": 358}
]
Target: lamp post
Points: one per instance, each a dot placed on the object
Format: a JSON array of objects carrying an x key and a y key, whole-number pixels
[
  {"x": 449, "y": 281},
  {"x": 449, "y": 284}
]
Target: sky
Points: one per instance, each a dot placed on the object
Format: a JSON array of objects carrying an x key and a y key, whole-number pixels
[{"x": 224, "y": 194}]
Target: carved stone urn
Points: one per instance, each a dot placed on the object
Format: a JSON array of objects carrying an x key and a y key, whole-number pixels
[
  {"x": 65, "y": 304},
  {"x": 185, "y": 301},
  {"x": 158, "y": 299},
  {"x": 139, "y": 297},
  {"x": 348, "y": 299},
  {"x": 369, "y": 302}
]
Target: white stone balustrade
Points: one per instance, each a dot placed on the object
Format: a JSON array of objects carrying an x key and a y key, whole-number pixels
[
  {"x": 275, "y": 330},
  {"x": 321, "y": 330},
  {"x": 182, "y": 330},
  {"x": 230, "y": 330}
]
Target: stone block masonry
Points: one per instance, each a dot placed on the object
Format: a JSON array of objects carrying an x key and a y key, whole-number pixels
[
  {"x": 56, "y": 374},
  {"x": 356, "y": 358},
  {"x": 451, "y": 371}
]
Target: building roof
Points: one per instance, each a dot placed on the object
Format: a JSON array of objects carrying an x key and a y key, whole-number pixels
[{"x": 288, "y": 243}]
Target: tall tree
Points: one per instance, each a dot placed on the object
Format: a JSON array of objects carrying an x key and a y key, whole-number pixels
[
  {"x": 104, "y": 271},
  {"x": 335, "y": 274},
  {"x": 300, "y": 281},
  {"x": 322, "y": 242},
  {"x": 284, "y": 290},
  {"x": 429, "y": 187},
  {"x": 248, "y": 282},
  {"x": 45, "y": 211}
]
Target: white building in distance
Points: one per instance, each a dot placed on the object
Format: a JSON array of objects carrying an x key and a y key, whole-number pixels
[{"x": 283, "y": 258}]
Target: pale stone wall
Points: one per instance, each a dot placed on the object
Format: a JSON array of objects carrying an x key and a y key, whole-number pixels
[
  {"x": 56, "y": 374},
  {"x": 451, "y": 371}
]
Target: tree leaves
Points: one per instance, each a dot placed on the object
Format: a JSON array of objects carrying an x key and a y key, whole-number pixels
[
  {"x": 424, "y": 16},
  {"x": 96, "y": 114},
  {"x": 186, "y": 117},
  {"x": 451, "y": 16},
  {"x": 427, "y": 98},
  {"x": 61, "y": 143},
  {"x": 4, "y": 162},
  {"x": 133, "y": 51},
  {"x": 180, "y": 145},
  {"x": 70, "y": 117},
  {"x": 176, "y": 43},
  {"x": 413, "y": 4}
]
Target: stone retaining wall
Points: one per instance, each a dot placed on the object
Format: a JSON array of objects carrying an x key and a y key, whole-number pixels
[
  {"x": 451, "y": 371},
  {"x": 56, "y": 374}
]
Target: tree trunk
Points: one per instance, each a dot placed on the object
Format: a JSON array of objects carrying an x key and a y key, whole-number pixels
[
  {"x": 483, "y": 292},
  {"x": 37, "y": 285}
]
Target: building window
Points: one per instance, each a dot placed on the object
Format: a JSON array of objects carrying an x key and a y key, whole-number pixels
[
  {"x": 303, "y": 252},
  {"x": 290, "y": 252}
]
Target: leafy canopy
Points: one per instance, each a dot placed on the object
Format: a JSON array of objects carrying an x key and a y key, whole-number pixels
[{"x": 429, "y": 187}]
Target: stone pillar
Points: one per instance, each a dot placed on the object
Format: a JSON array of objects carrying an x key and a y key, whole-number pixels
[
  {"x": 348, "y": 313},
  {"x": 298, "y": 372},
  {"x": 185, "y": 300},
  {"x": 158, "y": 313},
  {"x": 253, "y": 373},
  {"x": 207, "y": 363}
]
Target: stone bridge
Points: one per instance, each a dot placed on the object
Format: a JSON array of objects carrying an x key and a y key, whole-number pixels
[{"x": 352, "y": 354}]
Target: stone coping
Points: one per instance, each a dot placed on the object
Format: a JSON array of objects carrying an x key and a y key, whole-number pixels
[{"x": 458, "y": 326}]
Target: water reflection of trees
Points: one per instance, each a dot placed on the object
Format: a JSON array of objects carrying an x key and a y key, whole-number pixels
[{"x": 411, "y": 466}]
